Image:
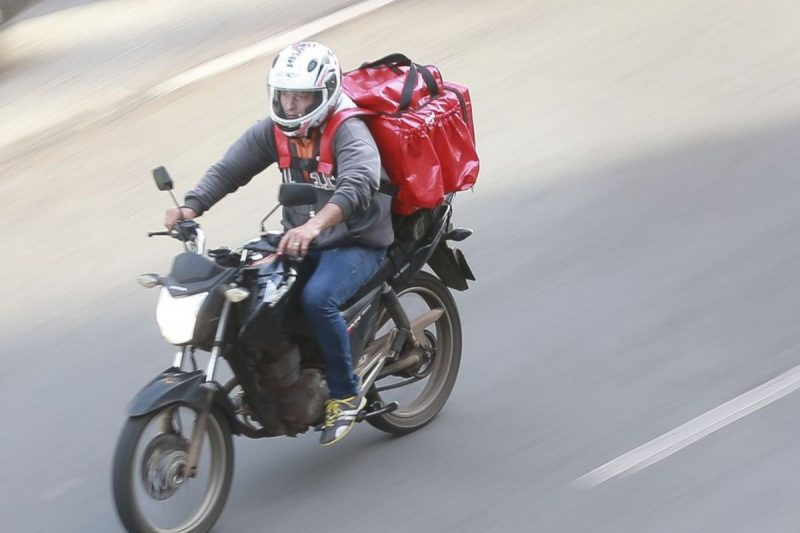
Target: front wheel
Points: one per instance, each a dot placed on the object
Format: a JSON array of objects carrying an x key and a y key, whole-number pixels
[
  {"x": 421, "y": 392},
  {"x": 153, "y": 491}
]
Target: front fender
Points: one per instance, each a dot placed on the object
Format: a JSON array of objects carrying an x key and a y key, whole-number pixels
[{"x": 175, "y": 386}]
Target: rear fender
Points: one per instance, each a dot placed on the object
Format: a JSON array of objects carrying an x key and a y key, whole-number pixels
[
  {"x": 451, "y": 266},
  {"x": 176, "y": 387}
]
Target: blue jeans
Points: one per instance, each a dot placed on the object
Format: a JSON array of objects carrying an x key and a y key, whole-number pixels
[{"x": 339, "y": 273}]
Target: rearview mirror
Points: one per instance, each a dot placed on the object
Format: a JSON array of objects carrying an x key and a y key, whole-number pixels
[
  {"x": 293, "y": 194},
  {"x": 162, "y": 179}
]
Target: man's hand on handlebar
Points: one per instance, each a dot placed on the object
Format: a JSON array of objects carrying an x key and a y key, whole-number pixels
[
  {"x": 174, "y": 214},
  {"x": 297, "y": 240}
]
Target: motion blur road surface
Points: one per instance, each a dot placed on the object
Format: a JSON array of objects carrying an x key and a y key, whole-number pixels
[
  {"x": 636, "y": 247},
  {"x": 67, "y": 59}
]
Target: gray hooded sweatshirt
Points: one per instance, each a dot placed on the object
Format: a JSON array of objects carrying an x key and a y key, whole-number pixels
[{"x": 353, "y": 186}]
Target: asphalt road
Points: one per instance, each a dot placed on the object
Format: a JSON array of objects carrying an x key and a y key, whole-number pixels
[{"x": 635, "y": 246}]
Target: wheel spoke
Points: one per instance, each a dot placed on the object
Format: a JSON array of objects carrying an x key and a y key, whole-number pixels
[
  {"x": 399, "y": 384},
  {"x": 424, "y": 320},
  {"x": 424, "y": 377}
]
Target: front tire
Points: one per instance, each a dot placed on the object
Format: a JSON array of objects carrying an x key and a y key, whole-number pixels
[
  {"x": 425, "y": 292},
  {"x": 147, "y": 474}
]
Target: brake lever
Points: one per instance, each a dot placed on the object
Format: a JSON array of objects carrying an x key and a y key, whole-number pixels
[{"x": 158, "y": 233}]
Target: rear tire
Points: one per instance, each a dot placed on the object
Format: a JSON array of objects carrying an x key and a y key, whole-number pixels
[
  {"x": 444, "y": 364},
  {"x": 127, "y": 472}
]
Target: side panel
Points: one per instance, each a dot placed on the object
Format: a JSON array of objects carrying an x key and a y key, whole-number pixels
[
  {"x": 361, "y": 319},
  {"x": 410, "y": 256}
]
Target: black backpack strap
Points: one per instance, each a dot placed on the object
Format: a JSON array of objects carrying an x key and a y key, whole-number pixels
[{"x": 387, "y": 187}]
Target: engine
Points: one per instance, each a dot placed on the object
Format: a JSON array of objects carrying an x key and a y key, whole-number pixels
[{"x": 295, "y": 395}]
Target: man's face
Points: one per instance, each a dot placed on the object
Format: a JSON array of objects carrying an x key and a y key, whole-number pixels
[{"x": 296, "y": 103}]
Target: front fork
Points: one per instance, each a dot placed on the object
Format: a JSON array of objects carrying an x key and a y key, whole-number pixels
[{"x": 210, "y": 389}]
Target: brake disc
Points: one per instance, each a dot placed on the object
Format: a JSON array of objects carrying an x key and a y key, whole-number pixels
[{"x": 164, "y": 464}]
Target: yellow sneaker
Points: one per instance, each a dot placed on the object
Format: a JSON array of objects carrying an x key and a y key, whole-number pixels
[{"x": 340, "y": 417}]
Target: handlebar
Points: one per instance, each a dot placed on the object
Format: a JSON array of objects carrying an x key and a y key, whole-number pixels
[
  {"x": 186, "y": 231},
  {"x": 189, "y": 232},
  {"x": 268, "y": 244}
]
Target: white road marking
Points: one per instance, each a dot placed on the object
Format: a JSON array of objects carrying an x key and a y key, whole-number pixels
[
  {"x": 261, "y": 48},
  {"x": 694, "y": 430},
  {"x": 60, "y": 490},
  {"x": 81, "y": 116}
]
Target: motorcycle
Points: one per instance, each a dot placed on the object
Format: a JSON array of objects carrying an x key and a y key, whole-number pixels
[{"x": 173, "y": 463}]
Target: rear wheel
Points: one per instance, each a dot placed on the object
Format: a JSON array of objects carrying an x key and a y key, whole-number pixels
[
  {"x": 153, "y": 492},
  {"x": 422, "y": 390}
]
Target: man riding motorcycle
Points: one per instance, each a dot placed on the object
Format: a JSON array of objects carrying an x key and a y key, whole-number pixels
[{"x": 350, "y": 224}]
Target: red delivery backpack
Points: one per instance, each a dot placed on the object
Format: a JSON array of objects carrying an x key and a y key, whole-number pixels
[{"x": 422, "y": 125}]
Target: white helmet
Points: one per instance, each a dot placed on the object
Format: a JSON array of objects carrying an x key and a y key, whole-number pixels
[{"x": 305, "y": 67}]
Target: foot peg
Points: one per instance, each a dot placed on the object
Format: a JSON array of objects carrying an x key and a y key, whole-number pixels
[{"x": 376, "y": 409}]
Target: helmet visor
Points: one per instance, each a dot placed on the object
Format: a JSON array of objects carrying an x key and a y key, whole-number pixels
[{"x": 293, "y": 105}]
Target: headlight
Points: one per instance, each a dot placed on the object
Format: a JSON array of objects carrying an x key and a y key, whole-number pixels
[{"x": 176, "y": 317}]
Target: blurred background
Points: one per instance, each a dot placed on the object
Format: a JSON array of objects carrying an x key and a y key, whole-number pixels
[{"x": 635, "y": 246}]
